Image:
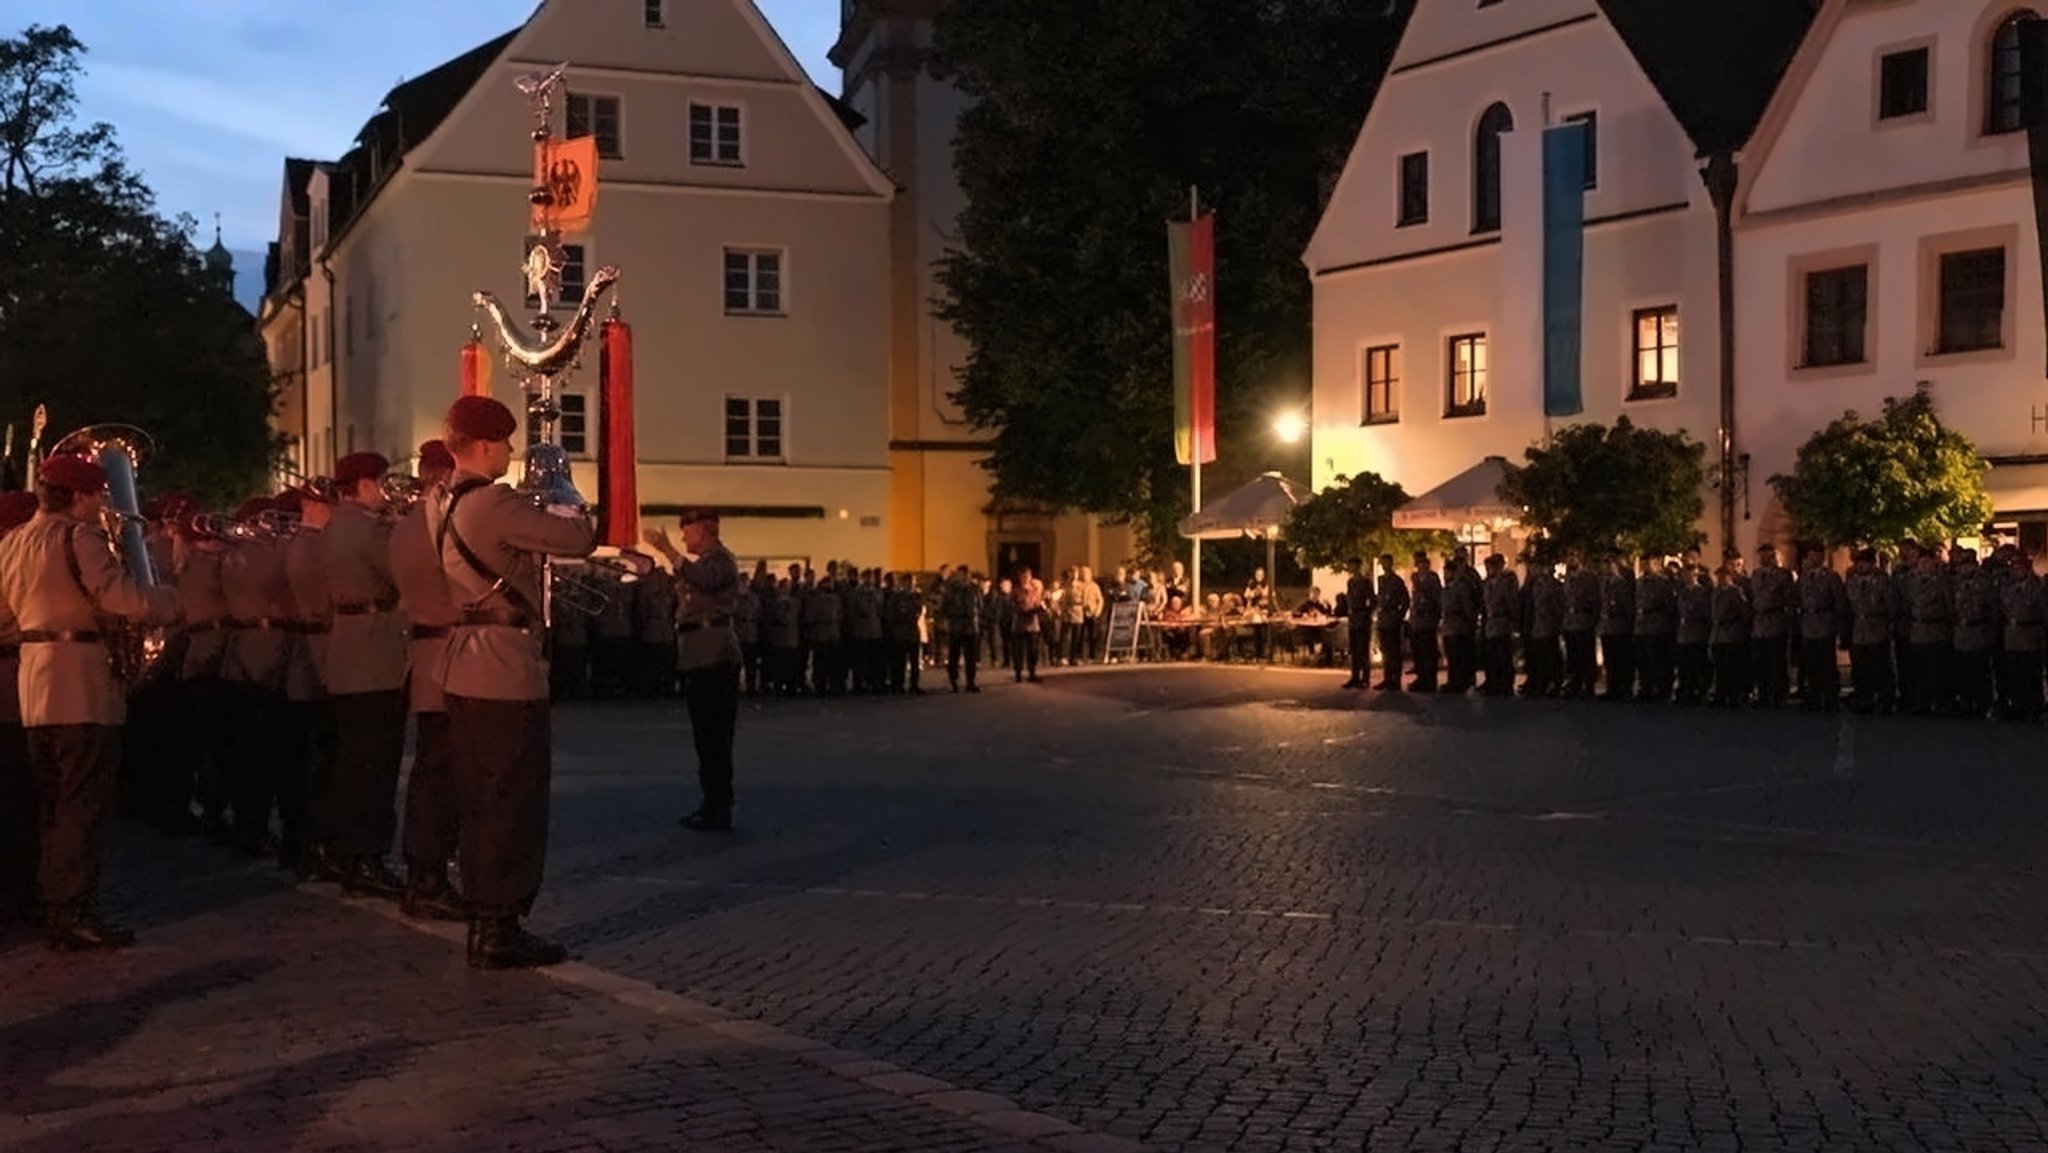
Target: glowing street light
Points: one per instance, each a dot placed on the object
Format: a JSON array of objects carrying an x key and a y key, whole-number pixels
[{"x": 1290, "y": 427}]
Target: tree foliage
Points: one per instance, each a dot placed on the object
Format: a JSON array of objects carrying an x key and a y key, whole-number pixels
[
  {"x": 106, "y": 311},
  {"x": 1619, "y": 491},
  {"x": 1353, "y": 520},
  {"x": 1902, "y": 476},
  {"x": 1088, "y": 123}
]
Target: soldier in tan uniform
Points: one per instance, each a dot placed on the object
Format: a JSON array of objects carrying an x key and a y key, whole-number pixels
[
  {"x": 365, "y": 667},
  {"x": 18, "y": 833},
  {"x": 305, "y": 729},
  {"x": 491, "y": 542},
  {"x": 432, "y": 815},
  {"x": 708, "y": 652},
  {"x": 59, "y": 576},
  {"x": 252, "y": 674},
  {"x": 198, "y": 672}
]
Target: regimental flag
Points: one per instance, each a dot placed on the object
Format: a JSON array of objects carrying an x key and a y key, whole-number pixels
[
  {"x": 1191, "y": 257},
  {"x": 567, "y": 169},
  {"x": 1564, "y": 261},
  {"x": 2033, "y": 36}
]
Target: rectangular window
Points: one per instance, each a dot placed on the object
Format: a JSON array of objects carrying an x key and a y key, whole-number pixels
[
  {"x": 1467, "y": 376},
  {"x": 597, "y": 116},
  {"x": 753, "y": 282},
  {"x": 714, "y": 134},
  {"x": 572, "y": 429},
  {"x": 1414, "y": 189},
  {"x": 1382, "y": 402},
  {"x": 1656, "y": 345},
  {"x": 1902, "y": 84},
  {"x": 657, "y": 13},
  {"x": 1972, "y": 300},
  {"x": 1592, "y": 122},
  {"x": 753, "y": 428},
  {"x": 1837, "y": 311}
]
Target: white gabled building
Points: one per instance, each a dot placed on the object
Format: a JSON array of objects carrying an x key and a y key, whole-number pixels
[
  {"x": 1427, "y": 264},
  {"x": 1886, "y": 237},
  {"x": 753, "y": 235}
]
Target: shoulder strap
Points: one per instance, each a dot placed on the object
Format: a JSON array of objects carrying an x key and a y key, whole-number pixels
[
  {"x": 450, "y": 535},
  {"x": 71, "y": 565}
]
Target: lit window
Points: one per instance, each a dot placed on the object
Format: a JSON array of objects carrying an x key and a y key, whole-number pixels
[
  {"x": 1656, "y": 344},
  {"x": 1467, "y": 376},
  {"x": 1382, "y": 403}
]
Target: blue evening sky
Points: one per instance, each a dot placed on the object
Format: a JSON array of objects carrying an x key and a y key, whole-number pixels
[{"x": 209, "y": 96}]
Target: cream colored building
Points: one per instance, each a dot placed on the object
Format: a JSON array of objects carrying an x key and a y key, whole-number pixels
[
  {"x": 1427, "y": 264},
  {"x": 1886, "y": 237},
  {"x": 751, "y": 230}
]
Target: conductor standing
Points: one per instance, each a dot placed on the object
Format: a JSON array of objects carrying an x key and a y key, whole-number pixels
[
  {"x": 708, "y": 651},
  {"x": 492, "y": 541}
]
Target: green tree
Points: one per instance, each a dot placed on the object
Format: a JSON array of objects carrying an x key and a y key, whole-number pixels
[
  {"x": 1353, "y": 519},
  {"x": 1603, "y": 491},
  {"x": 1087, "y": 125},
  {"x": 1902, "y": 476},
  {"x": 106, "y": 311}
]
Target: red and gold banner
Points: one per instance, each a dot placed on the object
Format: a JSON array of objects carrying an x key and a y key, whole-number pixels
[
  {"x": 568, "y": 170},
  {"x": 618, "y": 489},
  {"x": 1191, "y": 248}
]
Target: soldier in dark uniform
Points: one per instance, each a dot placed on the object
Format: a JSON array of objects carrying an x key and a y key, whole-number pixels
[
  {"x": 1390, "y": 622},
  {"x": 822, "y": 632},
  {"x": 1929, "y": 632},
  {"x": 1544, "y": 595},
  {"x": 18, "y": 809},
  {"x": 1904, "y": 571},
  {"x": 1581, "y": 622},
  {"x": 902, "y": 609},
  {"x": 1824, "y": 618},
  {"x": 962, "y": 609},
  {"x": 59, "y": 577},
  {"x": 1502, "y": 604},
  {"x": 1731, "y": 647},
  {"x": 782, "y": 621},
  {"x": 1873, "y": 617},
  {"x": 1617, "y": 630},
  {"x": 746, "y": 625},
  {"x": 1976, "y": 635},
  {"x": 654, "y": 613},
  {"x": 707, "y": 587},
  {"x": 1425, "y": 616},
  {"x": 992, "y": 631},
  {"x": 1656, "y": 631},
  {"x": 864, "y": 635},
  {"x": 2025, "y": 618},
  {"x": 1695, "y": 634},
  {"x": 1358, "y": 606},
  {"x": 491, "y": 541},
  {"x": 615, "y": 651},
  {"x": 1460, "y": 627},
  {"x": 432, "y": 812},
  {"x": 1772, "y": 605}
]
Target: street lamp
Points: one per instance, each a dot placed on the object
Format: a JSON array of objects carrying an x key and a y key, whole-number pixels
[{"x": 1290, "y": 427}]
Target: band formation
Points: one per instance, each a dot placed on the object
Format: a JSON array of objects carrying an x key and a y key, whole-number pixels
[{"x": 261, "y": 688}]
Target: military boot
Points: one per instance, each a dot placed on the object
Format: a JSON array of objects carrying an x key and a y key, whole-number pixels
[
  {"x": 80, "y": 930},
  {"x": 367, "y": 877},
  {"x": 500, "y": 943},
  {"x": 708, "y": 820},
  {"x": 430, "y": 897}
]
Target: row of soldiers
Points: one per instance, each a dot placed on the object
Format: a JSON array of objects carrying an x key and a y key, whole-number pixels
[{"x": 1935, "y": 632}]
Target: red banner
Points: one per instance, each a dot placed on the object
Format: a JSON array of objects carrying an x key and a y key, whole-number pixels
[{"x": 618, "y": 461}]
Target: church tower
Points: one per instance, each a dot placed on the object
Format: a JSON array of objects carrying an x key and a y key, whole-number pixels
[{"x": 220, "y": 263}]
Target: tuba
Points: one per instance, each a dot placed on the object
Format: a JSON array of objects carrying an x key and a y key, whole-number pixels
[{"x": 136, "y": 649}]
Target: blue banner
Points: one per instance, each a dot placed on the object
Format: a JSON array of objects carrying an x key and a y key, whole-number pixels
[{"x": 1564, "y": 267}]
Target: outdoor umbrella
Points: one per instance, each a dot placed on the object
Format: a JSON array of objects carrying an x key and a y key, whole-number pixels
[
  {"x": 1470, "y": 498},
  {"x": 1258, "y": 508}
]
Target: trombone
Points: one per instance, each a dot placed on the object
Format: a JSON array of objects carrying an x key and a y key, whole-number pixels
[{"x": 578, "y": 585}]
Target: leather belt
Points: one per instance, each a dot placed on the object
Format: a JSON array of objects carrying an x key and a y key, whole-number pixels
[
  {"x": 57, "y": 636},
  {"x": 300, "y": 628},
  {"x": 430, "y": 632},
  {"x": 251, "y": 623},
  {"x": 363, "y": 608},
  {"x": 500, "y": 617},
  {"x": 203, "y": 626},
  {"x": 713, "y": 623}
]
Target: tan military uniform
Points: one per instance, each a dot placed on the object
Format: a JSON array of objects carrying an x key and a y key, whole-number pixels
[
  {"x": 309, "y": 613},
  {"x": 431, "y": 811},
  {"x": 369, "y": 647}
]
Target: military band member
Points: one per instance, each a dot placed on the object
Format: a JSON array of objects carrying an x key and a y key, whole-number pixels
[
  {"x": 432, "y": 812},
  {"x": 615, "y": 656},
  {"x": 1581, "y": 621},
  {"x": 1929, "y": 631},
  {"x": 1617, "y": 629},
  {"x": 823, "y": 630},
  {"x": 253, "y": 673},
  {"x": 1503, "y": 603},
  {"x": 1693, "y": 648},
  {"x": 194, "y": 733},
  {"x": 1824, "y": 619},
  {"x": 783, "y": 626},
  {"x": 59, "y": 576},
  {"x": 707, "y": 587},
  {"x": 962, "y": 609},
  {"x": 1358, "y": 600},
  {"x": 1425, "y": 616},
  {"x": 1772, "y": 605},
  {"x": 1390, "y": 623},
  {"x": 365, "y": 665},
  {"x": 491, "y": 542},
  {"x": 305, "y": 772},
  {"x": 1873, "y": 619},
  {"x": 654, "y": 608},
  {"x": 18, "y": 831},
  {"x": 1541, "y": 653},
  {"x": 1731, "y": 637}
]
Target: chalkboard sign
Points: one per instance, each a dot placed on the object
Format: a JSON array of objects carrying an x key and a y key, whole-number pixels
[{"x": 1123, "y": 629}]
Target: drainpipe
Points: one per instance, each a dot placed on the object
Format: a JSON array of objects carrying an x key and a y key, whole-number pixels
[
  {"x": 1720, "y": 175},
  {"x": 333, "y": 368}
]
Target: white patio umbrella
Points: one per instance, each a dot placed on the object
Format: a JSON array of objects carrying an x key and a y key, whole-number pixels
[
  {"x": 1257, "y": 508},
  {"x": 1470, "y": 498}
]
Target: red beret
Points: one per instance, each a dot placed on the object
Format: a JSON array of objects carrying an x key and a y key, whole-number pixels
[
  {"x": 73, "y": 472},
  {"x": 482, "y": 418},
  {"x": 435, "y": 457},
  {"x": 359, "y": 466},
  {"x": 248, "y": 509},
  {"x": 16, "y": 509}
]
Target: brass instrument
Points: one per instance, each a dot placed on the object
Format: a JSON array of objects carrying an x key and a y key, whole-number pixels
[
  {"x": 136, "y": 649},
  {"x": 221, "y": 527},
  {"x": 403, "y": 491}
]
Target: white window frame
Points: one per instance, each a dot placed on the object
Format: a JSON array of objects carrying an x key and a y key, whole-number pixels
[
  {"x": 714, "y": 159},
  {"x": 754, "y": 253},
  {"x": 1481, "y": 374},
  {"x": 1642, "y": 390},
  {"x": 590, "y": 113},
  {"x": 754, "y": 455}
]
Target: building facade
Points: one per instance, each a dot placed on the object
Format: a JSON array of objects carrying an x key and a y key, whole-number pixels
[
  {"x": 1427, "y": 264},
  {"x": 751, "y": 230},
  {"x": 1887, "y": 240}
]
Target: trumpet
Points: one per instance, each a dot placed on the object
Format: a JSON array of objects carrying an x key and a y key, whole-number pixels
[{"x": 402, "y": 491}]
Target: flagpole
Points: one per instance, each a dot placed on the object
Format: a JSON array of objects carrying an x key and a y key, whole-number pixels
[{"x": 1195, "y": 448}]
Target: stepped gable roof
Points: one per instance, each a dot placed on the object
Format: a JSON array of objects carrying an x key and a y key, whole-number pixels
[{"x": 1715, "y": 64}]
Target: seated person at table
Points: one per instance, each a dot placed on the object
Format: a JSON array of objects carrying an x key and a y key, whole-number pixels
[
  {"x": 1312, "y": 618},
  {"x": 1314, "y": 606},
  {"x": 1176, "y": 621}
]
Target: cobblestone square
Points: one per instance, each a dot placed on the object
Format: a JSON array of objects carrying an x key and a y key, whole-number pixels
[{"x": 1197, "y": 909}]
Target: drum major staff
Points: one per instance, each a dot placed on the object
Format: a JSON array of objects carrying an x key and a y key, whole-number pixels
[
  {"x": 492, "y": 541},
  {"x": 708, "y": 652}
]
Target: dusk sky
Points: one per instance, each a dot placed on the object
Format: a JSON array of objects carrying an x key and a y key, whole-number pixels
[{"x": 209, "y": 96}]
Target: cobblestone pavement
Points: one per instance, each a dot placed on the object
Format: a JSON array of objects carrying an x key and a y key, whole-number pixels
[{"x": 1206, "y": 909}]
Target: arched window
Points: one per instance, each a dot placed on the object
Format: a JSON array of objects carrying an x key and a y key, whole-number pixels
[
  {"x": 1486, "y": 167},
  {"x": 2003, "y": 92}
]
